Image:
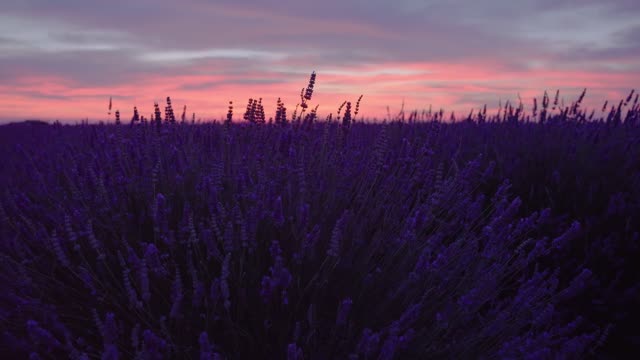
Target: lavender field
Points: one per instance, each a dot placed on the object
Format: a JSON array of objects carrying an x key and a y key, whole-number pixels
[{"x": 507, "y": 236}]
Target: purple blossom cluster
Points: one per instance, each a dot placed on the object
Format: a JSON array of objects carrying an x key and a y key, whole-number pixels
[{"x": 495, "y": 237}]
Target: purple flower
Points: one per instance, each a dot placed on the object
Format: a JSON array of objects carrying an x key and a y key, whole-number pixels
[
  {"x": 440, "y": 261},
  {"x": 303, "y": 212},
  {"x": 369, "y": 343},
  {"x": 410, "y": 316},
  {"x": 442, "y": 320},
  {"x": 337, "y": 234},
  {"x": 160, "y": 212},
  {"x": 577, "y": 346},
  {"x": 389, "y": 348},
  {"x": 144, "y": 281},
  {"x": 276, "y": 283},
  {"x": 279, "y": 279},
  {"x": 205, "y": 346},
  {"x": 469, "y": 300},
  {"x": 87, "y": 280},
  {"x": 110, "y": 334},
  {"x": 308, "y": 245},
  {"x": 153, "y": 347},
  {"x": 278, "y": 214},
  {"x": 132, "y": 258},
  {"x": 210, "y": 244},
  {"x": 406, "y": 339},
  {"x": 40, "y": 336},
  {"x": 224, "y": 285},
  {"x": 294, "y": 352},
  {"x": 343, "y": 311},
  {"x": 152, "y": 258},
  {"x": 93, "y": 241},
  {"x": 59, "y": 251},
  {"x": 572, "y": 233},
  {"x": 110, "y": 353},
  {"x": 275, "y": 249},
  {"x": 131, "y": 292},
  {"x": 543, "y": 318},
  {"x": 176, "y": 296},
  {"x": 578, "y": 284},
  {"x": 539, "y": 249}
]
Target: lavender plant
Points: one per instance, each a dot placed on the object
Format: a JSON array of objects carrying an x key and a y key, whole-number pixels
[{"x": 304, "y": 240}]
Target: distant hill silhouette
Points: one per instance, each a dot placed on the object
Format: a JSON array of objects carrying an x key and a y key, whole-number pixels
[{"x": 27, "y": 122}]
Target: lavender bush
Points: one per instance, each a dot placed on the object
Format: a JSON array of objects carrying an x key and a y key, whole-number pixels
[{"x": 306, "y": 239}]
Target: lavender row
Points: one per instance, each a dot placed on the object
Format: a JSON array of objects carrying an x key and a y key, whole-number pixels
[{"x": 490, "y": 238}]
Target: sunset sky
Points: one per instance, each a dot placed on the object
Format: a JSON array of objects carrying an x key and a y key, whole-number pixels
[{"x": 63, "y": 59}]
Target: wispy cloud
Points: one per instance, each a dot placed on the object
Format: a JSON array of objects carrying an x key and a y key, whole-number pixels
[
  {"x": 23, "y": 35},
  {"x": 188, "y": 56}
]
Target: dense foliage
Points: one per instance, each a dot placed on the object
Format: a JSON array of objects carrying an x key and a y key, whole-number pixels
[{"x": 488, "y": 238}]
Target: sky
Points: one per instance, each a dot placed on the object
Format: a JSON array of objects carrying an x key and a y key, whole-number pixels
[{"x": 64, "y": 59}]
